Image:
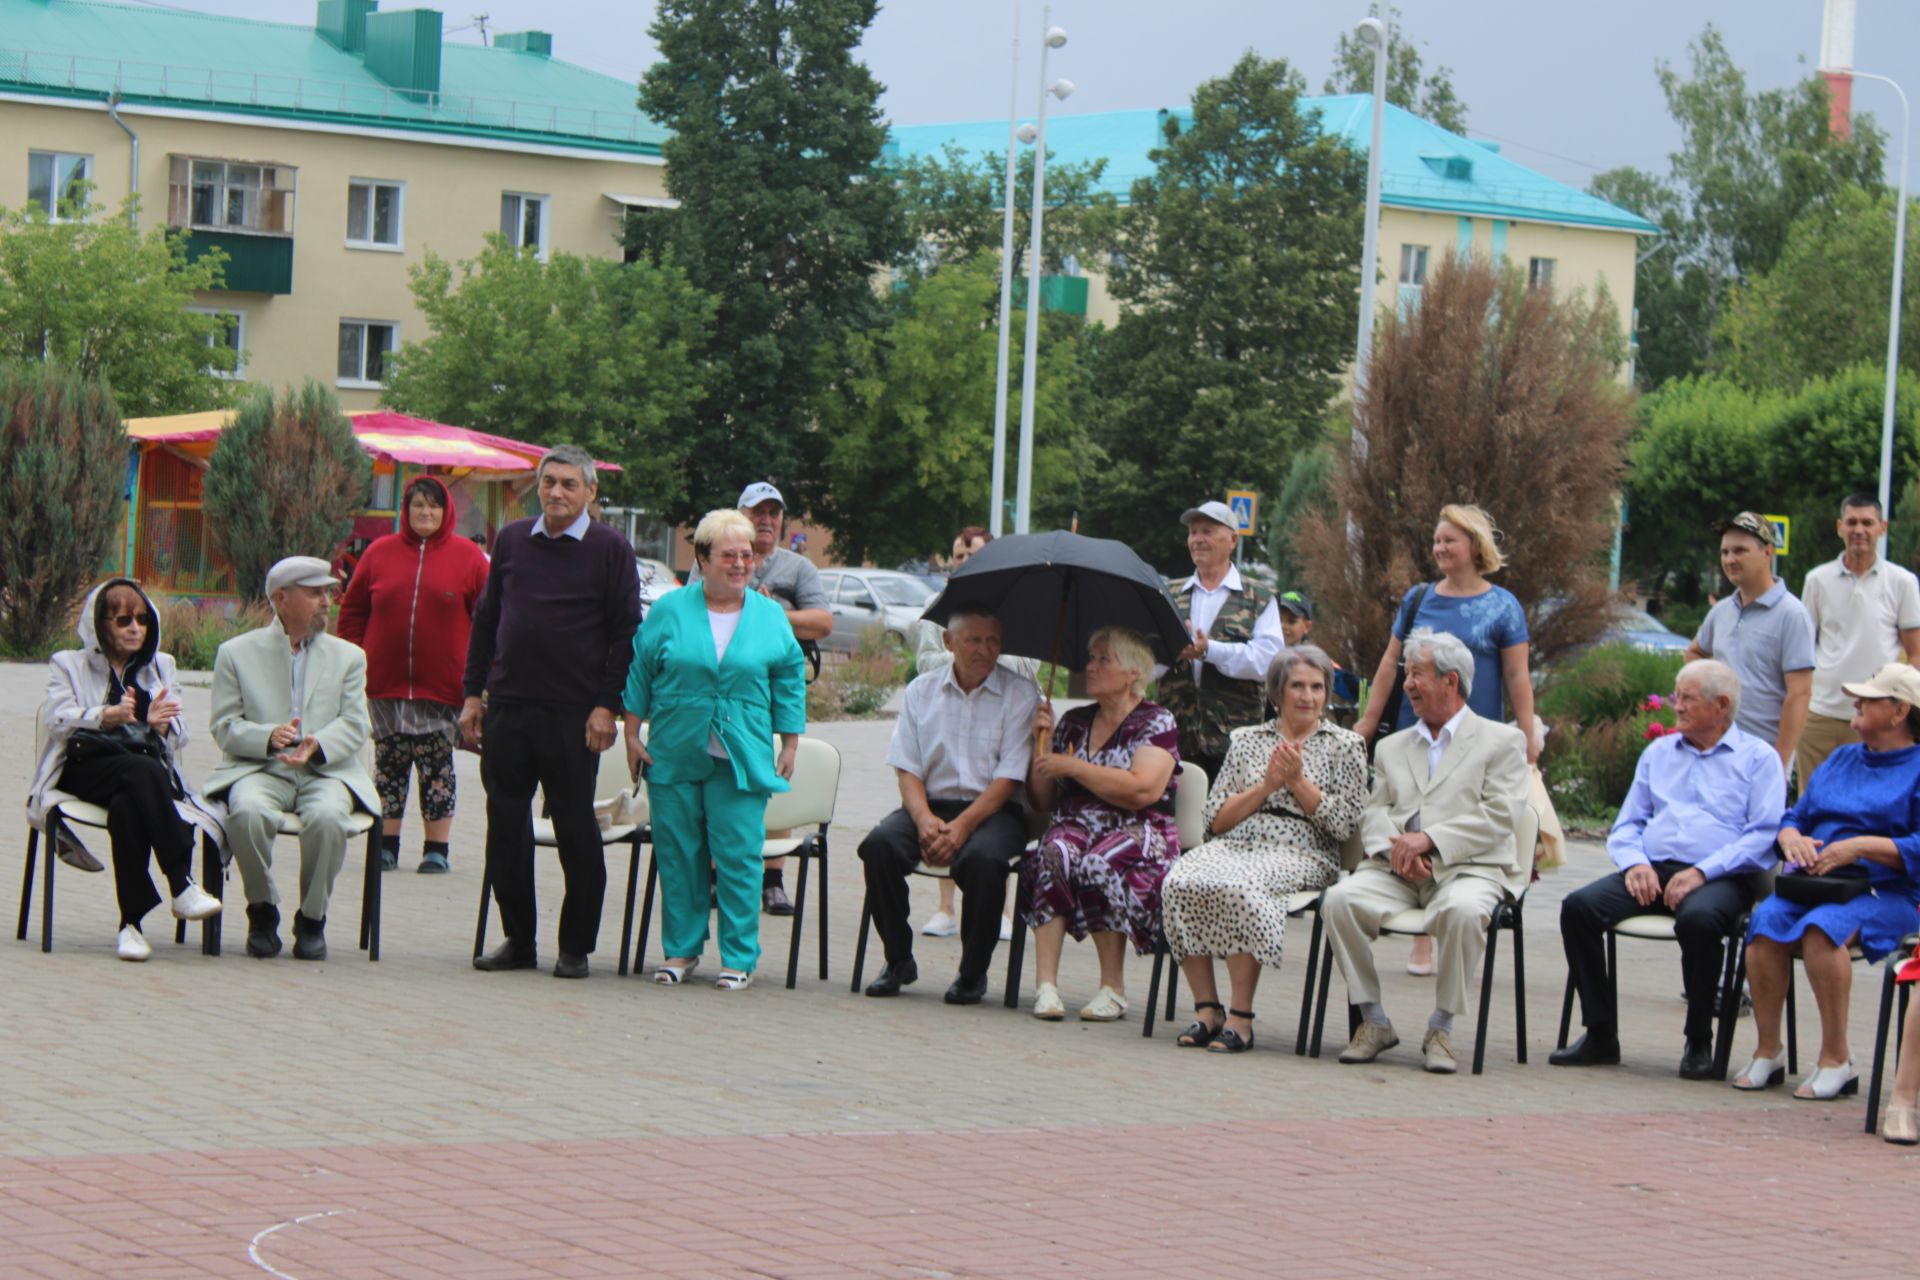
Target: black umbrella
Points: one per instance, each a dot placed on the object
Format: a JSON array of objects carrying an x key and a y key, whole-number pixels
[{"x": 1052, "y": 591}]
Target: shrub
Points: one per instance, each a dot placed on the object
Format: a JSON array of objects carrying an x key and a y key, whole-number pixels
[
  {"x": 62, "y": 476},
  {"x": 858, "y": 688},
  {"x": 1589, "y": 767},
  {"x": 1605, "y": 682},
  {"x": 284, "y": 480},
  {"x": 192, "y": 632}
]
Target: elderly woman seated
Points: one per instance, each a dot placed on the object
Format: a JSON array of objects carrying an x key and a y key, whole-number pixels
[
  {"x": 1108, "y": 782},
  {"x": 1289, "y": 792},
  {"x": 1852, "y": 845}
]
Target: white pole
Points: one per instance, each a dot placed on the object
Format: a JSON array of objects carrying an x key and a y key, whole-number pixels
[
  {"x": 1370, "y": 243},
  {"x": 1893, "y": 306},
  {"x": 996, "y": 518},
  {"x": 1023, "y": 487}
]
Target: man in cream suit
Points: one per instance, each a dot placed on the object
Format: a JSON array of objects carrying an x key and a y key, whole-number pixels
[
  {"x": 1439, "y": 834},
  {"x": 290, "y": 715}
]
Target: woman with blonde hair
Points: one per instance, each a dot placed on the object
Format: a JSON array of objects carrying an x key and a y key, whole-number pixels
[
  {"x": 1488, "y": 619},
  {"x": 1108, "y": 783}
]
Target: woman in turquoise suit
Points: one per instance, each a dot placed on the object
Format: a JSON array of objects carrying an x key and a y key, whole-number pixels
[{"x": 717, "y": 672}]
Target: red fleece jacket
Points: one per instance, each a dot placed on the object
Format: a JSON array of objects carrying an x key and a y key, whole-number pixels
[{"x": 410, "y": 606}]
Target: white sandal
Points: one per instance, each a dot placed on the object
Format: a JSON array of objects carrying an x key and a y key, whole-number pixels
[
  {"x": 1761, "y": 1073},
  {"x": 1107, "y": 1005},
  {"x": 733, "y": 980},
  {"x": 1828, "y": 1083},
  {"x": 672, "y": 975},
  {"x": 1047, "y": 1005}
]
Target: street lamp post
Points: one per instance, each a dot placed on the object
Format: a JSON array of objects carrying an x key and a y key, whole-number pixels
[
  {"x": 1036, "y": 134},
  {"x": 1893, "y": 306},
  {"x": 1370, "y": 31},
  {"x": 997, "y": 518}
]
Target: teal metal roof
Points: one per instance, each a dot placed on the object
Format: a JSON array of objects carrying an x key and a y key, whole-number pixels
[
  {"x": 80, "y": 48},
  {"x": 1423, "y": 166}
]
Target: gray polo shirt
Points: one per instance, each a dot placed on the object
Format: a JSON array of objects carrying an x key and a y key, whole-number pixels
[
  {"x": 1762, "y": 642},
  {"x": 787, "y": 575}
]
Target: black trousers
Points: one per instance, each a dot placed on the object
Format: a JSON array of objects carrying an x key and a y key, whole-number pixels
[
  {"x": 525, "y": 745},
  {"x": 891, "y": 851},
  {"x": 1702, "y": 923},
  {"x": 137, "y": 793}
]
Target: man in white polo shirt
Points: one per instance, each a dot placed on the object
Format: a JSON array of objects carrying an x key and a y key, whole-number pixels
[{"x": 1866, "y": 613}]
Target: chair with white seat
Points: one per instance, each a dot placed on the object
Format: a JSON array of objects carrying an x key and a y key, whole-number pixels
[
  {"x": 1507, "y": 915},
  {"x": 60, "y": 820},
  {"x": 626, "y": 806},
  {"x": 809, "y": 801}
]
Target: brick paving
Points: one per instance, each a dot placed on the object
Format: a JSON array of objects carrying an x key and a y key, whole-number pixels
[{"x": 417, "y": 1118}]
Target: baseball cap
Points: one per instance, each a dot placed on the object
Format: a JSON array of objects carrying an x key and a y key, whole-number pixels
[
  {"x": 1895, "y": 680},
  {"x": 1749, "y": 522},
  {"x": 1218, "y": 512},
  {"x": 1297, "y": 605},
  {"x": 300, "y": 571},
  {"x": 755, "y": 494}
]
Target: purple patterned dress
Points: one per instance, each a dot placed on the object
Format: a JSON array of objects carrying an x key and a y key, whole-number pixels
[{"x": 1099, "y": 867}]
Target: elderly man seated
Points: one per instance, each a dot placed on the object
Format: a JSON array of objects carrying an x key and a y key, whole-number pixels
[
  {"x": 1701, "y": 817},
  {"x": 1439, "y": 834},
  {"x": 960, "y": 751},
  {"x": 290, "y": 715}
]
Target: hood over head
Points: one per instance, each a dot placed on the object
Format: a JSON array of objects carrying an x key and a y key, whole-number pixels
[
  {"x": 92, "y": 622},
  {"x": 445, "y": 531}
]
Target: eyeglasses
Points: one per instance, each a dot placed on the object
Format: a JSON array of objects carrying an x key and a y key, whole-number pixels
[
  {"x": 734, "y": 557},
  {"x": 128, "y": 619}
]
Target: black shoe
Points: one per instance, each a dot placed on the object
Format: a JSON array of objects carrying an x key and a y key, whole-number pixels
[
  {"x": 1697, "y": 1062},
  {"x": 570, "y": 966},
  {"x": 967, "y": 991},
  {"x": 263, "y": 930},
  {"x": 894, "y": 977},
  {"x": 389, "y": 859},
  {"x": 309, "y": 938},
  {"x": 773, "y": 900},
  {"x": 1593, "y": 1049},
  {"x": 508, "y": 955}
]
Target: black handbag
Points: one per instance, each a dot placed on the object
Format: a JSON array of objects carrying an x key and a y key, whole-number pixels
[
  {"x": 1842, "y": 884},
  {"x": 1390, "y": 714},
  {"x": 126, "y": 739}
]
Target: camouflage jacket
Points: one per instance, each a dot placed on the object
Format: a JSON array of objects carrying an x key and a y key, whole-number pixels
[{"x": 1209, "y": 711}]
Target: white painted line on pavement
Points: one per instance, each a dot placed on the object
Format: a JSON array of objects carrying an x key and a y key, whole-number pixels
[{"x": 253, "y": 1245}]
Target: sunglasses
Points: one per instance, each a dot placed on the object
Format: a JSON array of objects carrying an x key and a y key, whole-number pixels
[{"x": 128, "y": 619}]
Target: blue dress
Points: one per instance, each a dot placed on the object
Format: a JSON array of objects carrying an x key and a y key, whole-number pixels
[
  {"x": 1858, "y": 793},
  {"x": 1486, "y": 624}
]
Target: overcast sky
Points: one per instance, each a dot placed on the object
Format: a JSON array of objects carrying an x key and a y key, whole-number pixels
[{"x": 1566, "y": 87}]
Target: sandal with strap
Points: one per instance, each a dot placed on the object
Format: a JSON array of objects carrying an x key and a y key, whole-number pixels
[
  {"x": 733, "y": 980},
  {"x": 1200, "y": 1035},
  {"x": 672, "y": 975},
  {"x": 1231, "y": 1041}
]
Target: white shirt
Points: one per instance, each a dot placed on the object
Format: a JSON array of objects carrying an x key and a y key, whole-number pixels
[
  {"x": 300, "y": 677},
  {"x": 959, "y": 743},
  {"x": 577, "y": 530},
  {"x": 1243, "y": 660},
  {"x": 1437, "y": 744},
  {"x": 723, "y": 625},
  {"x": 1857, "y": 621}
]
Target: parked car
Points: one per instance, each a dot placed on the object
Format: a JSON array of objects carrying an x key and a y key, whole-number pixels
[
  {"x": 656, "y": 578},
  {"x": 1637, "y": 627},
  {"x": 862, "y": 598}
]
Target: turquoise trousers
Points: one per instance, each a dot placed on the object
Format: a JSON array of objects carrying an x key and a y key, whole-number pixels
[{"x": 701, "y": 828}]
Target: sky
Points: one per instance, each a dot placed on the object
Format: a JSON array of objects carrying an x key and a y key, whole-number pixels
[{"x": 1565, "y": 86}]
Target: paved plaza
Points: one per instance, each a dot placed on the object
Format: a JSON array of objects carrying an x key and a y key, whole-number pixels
[{"x": 223, "y": 1116}]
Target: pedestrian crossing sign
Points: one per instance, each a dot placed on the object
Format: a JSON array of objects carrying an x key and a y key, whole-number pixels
[
  {"x": 1782, "y": 526},
  {"x": 1245, "y": 505}
]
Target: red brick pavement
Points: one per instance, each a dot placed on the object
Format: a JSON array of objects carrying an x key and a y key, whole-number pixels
[{"x": 1775, "y": 1190}]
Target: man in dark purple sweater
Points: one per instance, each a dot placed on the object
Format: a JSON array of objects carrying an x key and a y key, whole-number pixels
[{"x": 551, "y": 643}]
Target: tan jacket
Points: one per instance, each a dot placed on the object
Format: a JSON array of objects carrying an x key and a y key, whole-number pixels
[
  {"x": 1470, "y": 808},
  {"x": 253, "y": 695}
]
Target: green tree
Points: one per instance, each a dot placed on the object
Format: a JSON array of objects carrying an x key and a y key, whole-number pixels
[
  {"x": 1815, "y": 312},
  {"x": 97, "y": 296},
  {"x": 284, "y": 480},
  {"x": 953, "y": 205},
  {"x": 1408, "y": 85},
  {"x": 1307, "y": 490},
  {"x": 572, "y": 349},
  {"x": 1240, "y": 296},
  {"x": 63, "y": 476},
  {"x": 1750, "y": 164},
  {"x": 785, "y": 216},
  {"x": 911, "y": 435}
]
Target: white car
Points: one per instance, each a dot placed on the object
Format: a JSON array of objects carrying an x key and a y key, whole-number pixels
[
  {"x": 656, "y": 579},
  {"x": 863, "y": 598}
]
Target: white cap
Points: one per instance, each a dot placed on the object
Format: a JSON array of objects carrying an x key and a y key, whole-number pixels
[
  {"x": 755, "y": 494},
  {"x": 1218, "y": 512},
  {"x": 300, "y": 571}
]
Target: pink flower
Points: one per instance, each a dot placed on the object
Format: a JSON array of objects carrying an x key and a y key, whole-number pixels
[
  {"x": 1656, "y": 730},
  {"x": 1655, "y": 702}
]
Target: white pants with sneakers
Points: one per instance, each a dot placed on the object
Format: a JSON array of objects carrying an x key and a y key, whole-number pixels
[{"x": 1458, "y": 912}]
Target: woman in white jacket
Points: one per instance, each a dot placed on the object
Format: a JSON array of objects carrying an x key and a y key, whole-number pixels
[{"x": 114, "y": 731}]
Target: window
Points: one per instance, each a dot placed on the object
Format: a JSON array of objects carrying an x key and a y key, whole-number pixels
[
  {"x": 523, "y": 221},
  {"x": 1539, "y": 273},
  {"x": 1413, "y": 265},
  {"x": 57, "y": 182},
  {"x": 232, "y": 337},
  {"x": 854, "y": 594},
  {"x": 373, "y": 214},
  {"x": 230, "y": 195},
  {"x": 364, "y": 345}
]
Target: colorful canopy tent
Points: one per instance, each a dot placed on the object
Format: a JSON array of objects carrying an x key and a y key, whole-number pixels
[{"x": 170, "y": 549}]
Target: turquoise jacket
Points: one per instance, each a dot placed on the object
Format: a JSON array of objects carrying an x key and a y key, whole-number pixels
[{"x": 676, "y": 684}]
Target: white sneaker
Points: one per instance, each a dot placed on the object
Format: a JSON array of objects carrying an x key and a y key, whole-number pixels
[
  {"x": 1006, "y": 929},
  {"x": 133, "y": 946},
  {"x": 940, "y": 924},
  {"x": 1108, "y": 1006},
  {"x": 195, "y": 903},
  {"x": 1047, "y": 1004}
]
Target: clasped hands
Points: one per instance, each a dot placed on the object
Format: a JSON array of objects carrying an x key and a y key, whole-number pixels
[
  {"x": 1284, "y": 767},
  {"x": 1818, "y": 856},
  {"x": 1643, "y": 885},
  {"x": 940, "y": 842},
  {"x": 1411, "y": 855}
]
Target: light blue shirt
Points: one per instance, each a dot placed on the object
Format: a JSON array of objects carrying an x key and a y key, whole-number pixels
[
  {"x": 577, "y": 530},
  {"x": 1717, "y": 809},
  {"x": 1762, "y": 642}
]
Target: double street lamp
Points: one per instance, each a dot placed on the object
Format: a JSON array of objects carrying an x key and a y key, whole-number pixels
[{"x": 1893, "y": 306}]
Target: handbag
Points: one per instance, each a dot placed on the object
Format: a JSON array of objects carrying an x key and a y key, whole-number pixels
[
  {"x": 126, "y": 739},
  {"x": 1390, "y": 714},
  {"x": 1842, "y": 884}
]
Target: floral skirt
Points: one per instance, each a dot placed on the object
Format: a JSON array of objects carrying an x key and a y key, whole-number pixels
[{"x": 1108, "y": 883}]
